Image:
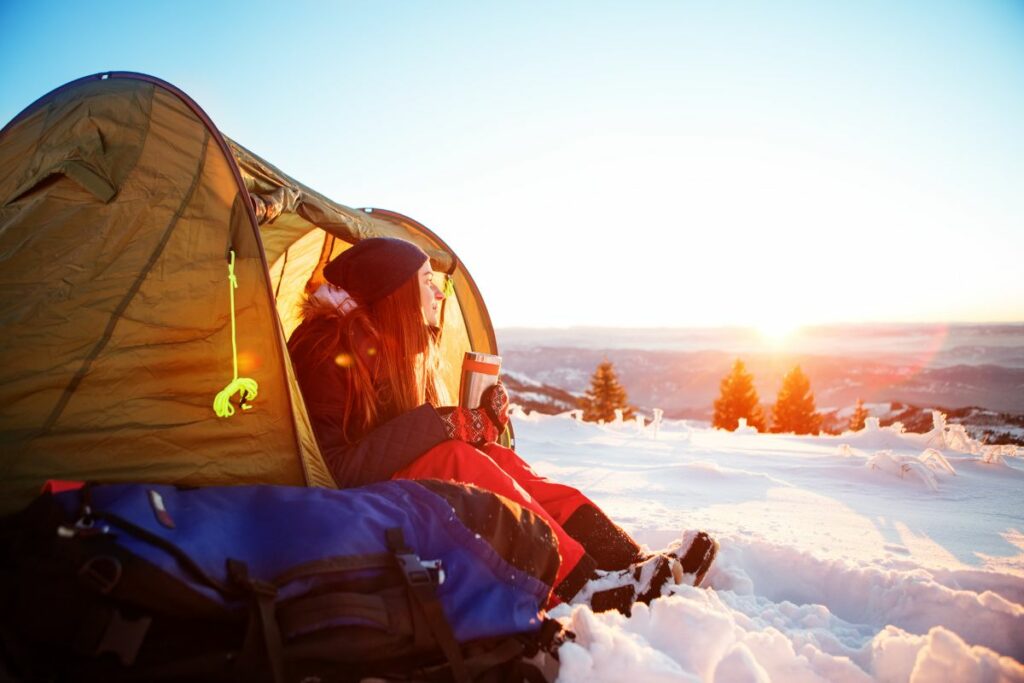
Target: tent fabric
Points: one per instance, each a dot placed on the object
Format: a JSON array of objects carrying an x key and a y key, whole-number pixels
[
  {"x": 302, "y": 230},
  {"x": 288, "y": 211},
  {"x": 119, "y": 205}
]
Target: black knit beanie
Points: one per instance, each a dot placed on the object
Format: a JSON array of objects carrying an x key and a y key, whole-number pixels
[{"x": 375, "y": 267}]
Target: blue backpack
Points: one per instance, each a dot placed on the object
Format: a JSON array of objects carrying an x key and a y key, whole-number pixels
[{"x": 402, "y": 580}]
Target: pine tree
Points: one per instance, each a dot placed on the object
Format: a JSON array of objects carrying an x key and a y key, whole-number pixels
[
  {"x": 604, "y": 396},
  {"x": 794, "y": 411},
  {"x": 738, "y": 398},
  {"x": 860, "y": 414}
]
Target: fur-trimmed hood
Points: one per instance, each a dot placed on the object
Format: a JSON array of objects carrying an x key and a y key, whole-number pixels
[{"x": 326, "y": 302}]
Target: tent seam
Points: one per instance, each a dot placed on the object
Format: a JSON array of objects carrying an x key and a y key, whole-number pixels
[
  {"x": 280, "y": 279},
  {"x": 72, "y": 386}
]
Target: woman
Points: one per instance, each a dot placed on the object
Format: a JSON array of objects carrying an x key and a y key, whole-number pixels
[{"x": 367, "y": 362}]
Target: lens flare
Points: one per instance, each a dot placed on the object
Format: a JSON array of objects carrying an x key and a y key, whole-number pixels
[{"x": 248, "y": 361}]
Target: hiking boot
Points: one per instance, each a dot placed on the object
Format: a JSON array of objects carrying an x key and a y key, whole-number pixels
[
  {"x": 654, "y": 573},
  {"x": 642, "y": 581},
  {"x": 696, "y": 553},
  {"x": 620, "y": 599}
]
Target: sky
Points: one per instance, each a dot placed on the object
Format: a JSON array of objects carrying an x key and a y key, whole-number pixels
[{"x": 671, "y": 164}]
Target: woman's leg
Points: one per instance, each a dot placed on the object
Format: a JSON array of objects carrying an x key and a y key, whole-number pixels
[
  {"x": 460, "y": 462},
  {"x": 603, "y": 540}
]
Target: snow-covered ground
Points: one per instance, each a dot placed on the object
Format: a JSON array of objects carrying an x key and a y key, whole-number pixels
[{"x": 876, "y": 555}]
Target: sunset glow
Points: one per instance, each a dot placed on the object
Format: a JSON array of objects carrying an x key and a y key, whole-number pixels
[{"x": 778, "y": 330}]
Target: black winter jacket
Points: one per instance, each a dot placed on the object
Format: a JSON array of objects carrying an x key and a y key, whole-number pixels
[{"x": 374, "y": 456}]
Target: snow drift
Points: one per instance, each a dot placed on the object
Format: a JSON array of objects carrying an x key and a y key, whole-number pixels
[{"x": 870, "y": 556}]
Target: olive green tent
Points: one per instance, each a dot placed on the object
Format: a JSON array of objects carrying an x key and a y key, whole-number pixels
[{"x": 121, "y": 206}]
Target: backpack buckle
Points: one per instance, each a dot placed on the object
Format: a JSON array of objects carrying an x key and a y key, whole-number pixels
[
  {"x": 415, "y": 573},
  {"x": 435, "y": 569}
]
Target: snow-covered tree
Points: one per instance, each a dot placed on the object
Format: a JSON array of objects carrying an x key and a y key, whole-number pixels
[
  {"x": 794, "y": 410},
  {"x": 604, "y": 396},
  {"x": 860, "y": 413},
  {"x": 738, "y": 399}
]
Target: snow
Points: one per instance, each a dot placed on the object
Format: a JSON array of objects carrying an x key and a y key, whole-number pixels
[{"x": 876, "y": 555}]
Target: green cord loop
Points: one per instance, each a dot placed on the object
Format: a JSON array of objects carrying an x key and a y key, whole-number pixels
[{"x": 248, "y": 388}]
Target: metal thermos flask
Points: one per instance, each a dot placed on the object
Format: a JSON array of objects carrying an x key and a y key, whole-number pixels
[{"x": 479, "y": 371}]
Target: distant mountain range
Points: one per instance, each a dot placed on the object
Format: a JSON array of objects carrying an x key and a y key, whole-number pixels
[{"x": 975, "y": 373}]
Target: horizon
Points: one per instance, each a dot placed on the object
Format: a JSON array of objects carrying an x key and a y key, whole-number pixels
[
  {"x": 809, "y": 327},
  {"x": 947, "y": 367},
  {"x": 658, "y": 165},
  {"x": 915, "y": 346}
]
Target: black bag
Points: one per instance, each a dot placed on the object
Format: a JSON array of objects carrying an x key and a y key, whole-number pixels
[{"x": 400, "y": 580}]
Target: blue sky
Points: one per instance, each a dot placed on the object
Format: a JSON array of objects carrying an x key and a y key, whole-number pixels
[{"x": 662, "y": 164}]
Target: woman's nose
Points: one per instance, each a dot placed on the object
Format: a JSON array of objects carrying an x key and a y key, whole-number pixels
[{"x": 438, "y": 294}]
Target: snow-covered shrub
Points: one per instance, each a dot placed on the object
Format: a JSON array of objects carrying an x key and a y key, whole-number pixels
[
  {"x": 935, "y": 460},
  {"x": 994, "y": 455},
  {"x": 951, "y": 436},
  {"x": 655, "y": 425},
  {"x": 923, "y": 467},
  {"x": 955, "y": 438}
]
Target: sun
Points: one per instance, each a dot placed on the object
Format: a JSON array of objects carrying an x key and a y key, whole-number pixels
[{"x": 777, "y": 330}]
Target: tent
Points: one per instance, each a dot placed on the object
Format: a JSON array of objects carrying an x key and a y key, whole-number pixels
[{"x": 121, "y": 209}]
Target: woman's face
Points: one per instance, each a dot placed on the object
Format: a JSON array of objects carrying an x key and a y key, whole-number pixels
[{"x": 430, "y": 295}]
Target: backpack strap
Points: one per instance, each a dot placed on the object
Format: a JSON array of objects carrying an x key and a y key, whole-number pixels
[
  {"x": 105, "y": 629},
  {"x": 304, "y": 615},
  {"x": 346, "y": 563},
  {"x": 424, "y": 597},
  {"x": 263, "y": 626}
]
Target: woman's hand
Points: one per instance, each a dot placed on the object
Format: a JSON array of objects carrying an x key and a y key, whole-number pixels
[{"x": 478, "y": 425}]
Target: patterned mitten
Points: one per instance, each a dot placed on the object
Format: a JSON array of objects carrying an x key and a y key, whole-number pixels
[
  {"x": 470, "y": 425},
  {"x": 494, "y": 401}
]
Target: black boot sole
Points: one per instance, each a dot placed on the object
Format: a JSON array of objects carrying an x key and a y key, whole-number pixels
[{"x": 620, "y": 599}]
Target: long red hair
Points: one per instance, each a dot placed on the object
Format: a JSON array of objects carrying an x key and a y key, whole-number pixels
[{"x": 389, "y": 357}]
